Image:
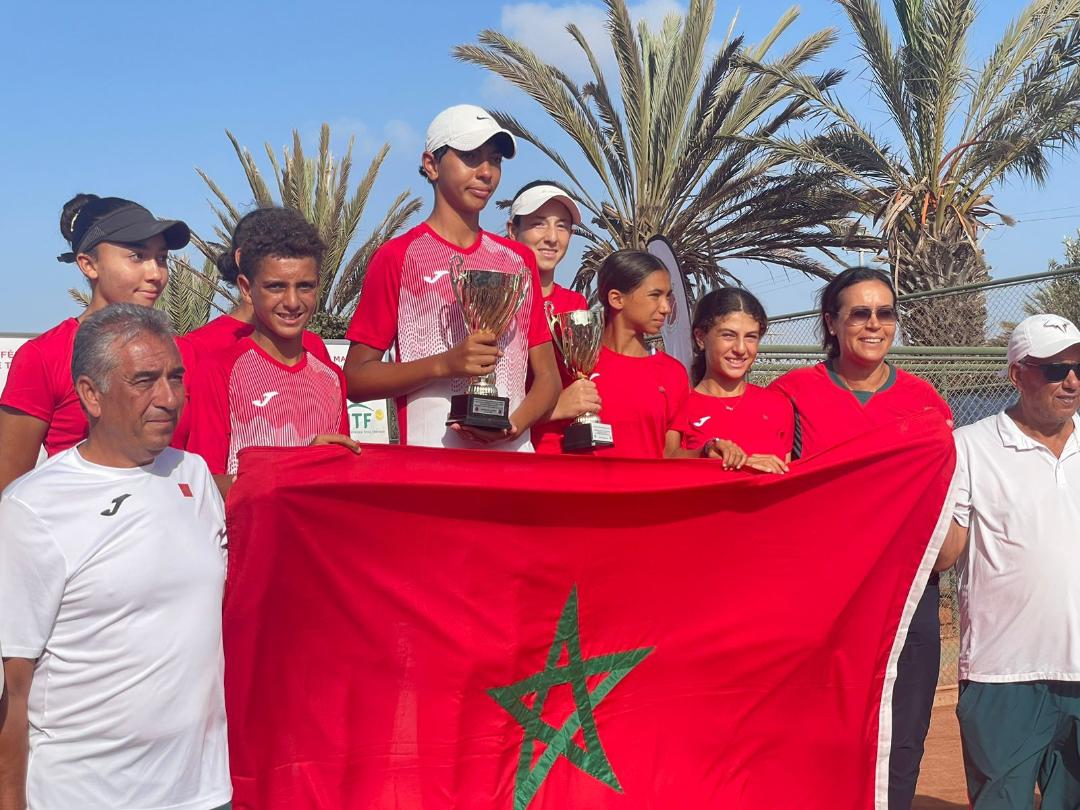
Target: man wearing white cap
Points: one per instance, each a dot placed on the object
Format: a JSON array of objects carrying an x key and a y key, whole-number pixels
[
  {"x": 543, "y": 216},
  {"x": 408, "y": 301},
  {"x": 1015, "y": 537}
]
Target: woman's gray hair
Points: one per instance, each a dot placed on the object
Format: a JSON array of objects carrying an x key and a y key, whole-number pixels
[{"x": 100, "y": 336}]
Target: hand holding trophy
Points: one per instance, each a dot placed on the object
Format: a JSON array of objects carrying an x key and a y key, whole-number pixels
[
  {"x": 489, "y": 300},
  {"x": 578, "y": 334}
]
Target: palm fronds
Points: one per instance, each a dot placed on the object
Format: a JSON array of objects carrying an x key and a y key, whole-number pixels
[
  {"x": 318, "y": 186},
  {"x": 681, "y": 150}
]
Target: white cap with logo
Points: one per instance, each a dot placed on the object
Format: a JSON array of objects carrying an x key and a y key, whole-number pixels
[
  {"x": 532, "y": 198},
  {"x": 467, "y": 127},
  {"x": 1041, "y": 336}
]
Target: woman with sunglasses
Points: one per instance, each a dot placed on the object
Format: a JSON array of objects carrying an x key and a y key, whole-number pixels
[{"x": 855, "y": 390}]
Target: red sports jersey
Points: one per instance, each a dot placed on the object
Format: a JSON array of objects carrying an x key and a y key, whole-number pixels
[
  {"x": 216, "y": 336},
  {"x": 243, "y": 397},
  {"x": 759, "y": 421},
  {"x": 408, "y": 302},
  {"x": 564, "y": 300},
  {"x": 39, "y": 384},
  {"x": 547, "y": 436},
  {"x": 827, "y": 413},
  {"x": 643, "y": 398}
]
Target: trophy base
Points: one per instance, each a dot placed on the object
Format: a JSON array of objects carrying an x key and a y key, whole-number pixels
[
  {"x": 479, "y": 411},
  {"x": 586, "y": 436}
]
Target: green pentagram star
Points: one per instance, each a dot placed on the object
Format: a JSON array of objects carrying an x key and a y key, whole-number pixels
[{"x": 559, "y": 741}]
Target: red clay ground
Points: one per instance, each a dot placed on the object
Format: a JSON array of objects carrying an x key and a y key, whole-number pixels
[{"x": 941, "y": 783}]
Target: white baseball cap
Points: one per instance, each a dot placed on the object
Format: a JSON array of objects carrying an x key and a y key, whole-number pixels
[
  {"x": 466, "y": 127},
  {"x": 532, "y": 198},
  {"x": 1042, "y": 336}
]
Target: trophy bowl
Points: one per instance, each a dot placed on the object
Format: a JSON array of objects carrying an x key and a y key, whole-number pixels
[
  {"x": 578, "y": 334},
  {"x": 489, "y": 300}
]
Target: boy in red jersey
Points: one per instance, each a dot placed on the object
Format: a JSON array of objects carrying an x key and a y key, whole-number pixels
[
  {"x": 268, "y": 390},
  {"x": 223, "y": 332},
  {"x": 408, "y": 301},
  {"x": 543, "y": 216}
]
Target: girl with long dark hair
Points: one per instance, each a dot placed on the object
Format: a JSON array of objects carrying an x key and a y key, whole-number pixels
[{"x": 752, "y": 424}]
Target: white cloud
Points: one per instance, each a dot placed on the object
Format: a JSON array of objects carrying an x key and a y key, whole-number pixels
[
  {"x": 542, "y": 28},
  {"x": 401, "y": 136}
]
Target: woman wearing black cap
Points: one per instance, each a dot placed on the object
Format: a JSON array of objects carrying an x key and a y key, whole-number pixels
[{"x": 122, "y": 250}]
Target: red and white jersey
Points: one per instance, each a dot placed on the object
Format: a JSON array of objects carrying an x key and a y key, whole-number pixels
[
  {"x": 643, "y": 398},
  {"x": 408, "y": 302},
  {"x": 39, "y": 384},
  {"x": 219, "y": 335},
  {"x": 759, "y": 421},
  {"x": 245, "y": 398}
]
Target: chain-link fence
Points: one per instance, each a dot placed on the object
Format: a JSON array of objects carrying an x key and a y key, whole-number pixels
[
  {"x": 967, "y": 376},
  {"x": 1000, "y": 304}
]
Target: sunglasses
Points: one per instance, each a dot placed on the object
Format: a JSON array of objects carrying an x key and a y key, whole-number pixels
[
  {"x": 858, "y": 316},
  {"x": 1056, "y": 372}
]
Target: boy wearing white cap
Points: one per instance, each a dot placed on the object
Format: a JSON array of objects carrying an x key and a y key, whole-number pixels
[
  {"x": 408, "y": 301},
  {"x": 543, "y": 216},
  {"x": 1014, "y": 538}
]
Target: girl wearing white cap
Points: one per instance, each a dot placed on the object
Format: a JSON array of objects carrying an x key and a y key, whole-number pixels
[
  {"x": 543, "y": 216},
  {"x": 122, "y": 250},
  {"x": 408, "y": 301}
]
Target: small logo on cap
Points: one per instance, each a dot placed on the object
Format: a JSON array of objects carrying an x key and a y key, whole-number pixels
[{"x": 1056, "y": 325}]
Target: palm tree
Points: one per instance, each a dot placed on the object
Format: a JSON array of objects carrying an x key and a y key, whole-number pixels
[
  {"x": 679, "y": 153},
  {"x": 318, "y": 187},
  {"x": 958, "y": 133}
]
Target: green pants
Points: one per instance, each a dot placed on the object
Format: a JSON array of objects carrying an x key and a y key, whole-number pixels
[{"x": 1017, "y": 735}]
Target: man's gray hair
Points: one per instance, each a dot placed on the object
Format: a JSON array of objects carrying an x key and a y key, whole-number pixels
[{"x": 101, "y": 335}]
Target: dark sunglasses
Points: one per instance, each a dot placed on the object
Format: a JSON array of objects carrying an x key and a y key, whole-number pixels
[
  {"x": 1055, "y": 372},
  {"x": 857, "y": 316}
]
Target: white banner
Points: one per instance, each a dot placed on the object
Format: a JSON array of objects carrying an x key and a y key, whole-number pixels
[
  {"x": 8, "y": 346},
  {"x": 368, "y": 421}
]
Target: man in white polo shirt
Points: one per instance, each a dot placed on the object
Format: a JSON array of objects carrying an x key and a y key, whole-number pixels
[
  {"x": 1016, "y": 540},
  {"x": 111, "y": 576}
]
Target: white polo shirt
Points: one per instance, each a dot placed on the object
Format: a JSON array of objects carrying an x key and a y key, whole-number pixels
[
  {"x": 111, "y": 581},
  {"x": 1019, "y": 578}
]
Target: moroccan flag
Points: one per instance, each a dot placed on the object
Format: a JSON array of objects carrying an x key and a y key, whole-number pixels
[{"x": 419, "y": 629}]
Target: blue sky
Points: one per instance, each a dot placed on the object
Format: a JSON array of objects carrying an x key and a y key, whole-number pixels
[{"x": 126, "y": 99}]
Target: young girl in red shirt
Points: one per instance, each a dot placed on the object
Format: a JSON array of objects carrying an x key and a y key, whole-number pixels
[
  {"x": 753, "y": 425},
  {"x": 644, "y": 395},
  {"x": 122, "y": 250}
]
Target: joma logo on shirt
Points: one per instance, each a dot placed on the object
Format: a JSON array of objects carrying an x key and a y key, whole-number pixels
[
  {"x": 702, "y": 421},
  {"x": 112, "y": 510},
  {"x": 262, "y": 403},
  {"x": 436, "y": 276}
]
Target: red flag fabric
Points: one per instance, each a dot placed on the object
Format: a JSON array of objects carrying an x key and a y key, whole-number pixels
[{"x": 419, "y": 628}]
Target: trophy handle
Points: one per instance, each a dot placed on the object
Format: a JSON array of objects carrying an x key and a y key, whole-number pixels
[
  {"x": 553, "y": 321},
  {"x": 457, "y": 276}
]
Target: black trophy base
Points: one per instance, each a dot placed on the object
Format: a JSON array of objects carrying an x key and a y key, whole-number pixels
[
  {"x": 587, "y": 436},
  {"x": 475, "y": 410}
]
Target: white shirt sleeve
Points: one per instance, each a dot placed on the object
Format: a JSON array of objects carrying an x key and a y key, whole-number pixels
[
  {"x": 32, "y": 577},
  {"x": 962, "y": 483}
]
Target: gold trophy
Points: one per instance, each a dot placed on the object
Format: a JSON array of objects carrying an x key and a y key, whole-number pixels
[
  {"x": 577, "y": 334},
  {"x": 489, "y": 300}
]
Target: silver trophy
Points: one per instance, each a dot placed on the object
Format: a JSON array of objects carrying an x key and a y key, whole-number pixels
[
  {"x": 488, "y": 300},
  {"x": 577, "y": 334}
]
